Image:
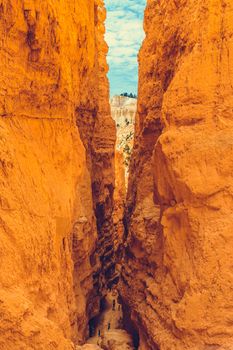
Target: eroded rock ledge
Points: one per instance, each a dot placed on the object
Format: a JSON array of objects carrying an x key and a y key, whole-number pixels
[{"x": 176, "y": 275}]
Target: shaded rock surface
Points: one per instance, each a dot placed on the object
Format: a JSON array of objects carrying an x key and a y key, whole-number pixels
[
  {"x": 119, "y": 208},
  {"x": 56, "y": 185},
  {"x": 176, "y": 275},
  {"x": 108, "y": 332}
]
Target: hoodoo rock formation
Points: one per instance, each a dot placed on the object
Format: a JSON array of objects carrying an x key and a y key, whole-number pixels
[
  {"x": 123, "y": 110},
  {"x": 177, "y": 272},
  {"x": 57, "y": 144}
]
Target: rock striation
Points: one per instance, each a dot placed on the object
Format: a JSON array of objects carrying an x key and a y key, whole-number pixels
[
  {"x": 57, "y": 144},
  {"x": 176, "y": 276}
]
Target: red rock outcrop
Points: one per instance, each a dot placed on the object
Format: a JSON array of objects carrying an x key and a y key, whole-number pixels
[
  {"x": 177, "y": 277},
  {"x": 53, "y": 73}
]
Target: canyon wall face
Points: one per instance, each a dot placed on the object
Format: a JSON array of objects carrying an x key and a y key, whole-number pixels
[
  {"x": 119, "y": 209},
  {"x": 53, "y": 74},
  {"x": 177, "y": 274}
]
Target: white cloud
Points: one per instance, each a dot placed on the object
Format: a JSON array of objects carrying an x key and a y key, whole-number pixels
[{"x": 124, "y": 36}]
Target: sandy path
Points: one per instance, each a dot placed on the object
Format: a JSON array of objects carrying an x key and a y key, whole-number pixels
[{"x": 114, "y": 338}]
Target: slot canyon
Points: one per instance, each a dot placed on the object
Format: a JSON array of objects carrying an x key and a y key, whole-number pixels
[{"x": 116, "y": 224}]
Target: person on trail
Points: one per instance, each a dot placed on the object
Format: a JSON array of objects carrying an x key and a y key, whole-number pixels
[
  {"x": 120, "y": 322},
  {"x": 99, "y": 333},
  {"x": 109, "y": 326},
  {"x": 119, "y": 307},
  {"x": 92, "y": 331},
  {"x": 113, "y": 304}
]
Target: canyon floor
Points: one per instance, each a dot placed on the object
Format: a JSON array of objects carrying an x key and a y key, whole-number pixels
[{"x": 107, "y": 329}]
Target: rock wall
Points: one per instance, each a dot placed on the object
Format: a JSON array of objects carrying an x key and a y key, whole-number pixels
[
  {"x": 52, "y": 63},
  {"x": 177, "y": 277},
  {"x": 119, "y": 207}
]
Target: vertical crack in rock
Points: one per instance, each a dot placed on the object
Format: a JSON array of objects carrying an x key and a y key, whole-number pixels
[{"x": 123, "y": 110}]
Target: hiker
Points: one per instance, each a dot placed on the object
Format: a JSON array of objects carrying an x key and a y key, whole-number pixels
[
  {"x": 120, "y": 322},
  {"x": 119, "y": 307},
  {"x": 113, "y": 304},
  {"x": 92, "y": 331},
  {"x": 99, "y": 333},
  {"x": 109, "y": 326}
]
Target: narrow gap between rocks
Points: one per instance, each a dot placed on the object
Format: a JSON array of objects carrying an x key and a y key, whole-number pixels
[{"x": 110, "y": 324}]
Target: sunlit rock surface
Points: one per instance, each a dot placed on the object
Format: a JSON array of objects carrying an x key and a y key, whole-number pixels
[
  {"x": 177, "y": 272},
  {"x": 53, "y": 73}
]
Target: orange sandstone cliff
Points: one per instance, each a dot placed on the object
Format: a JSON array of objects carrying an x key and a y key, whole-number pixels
[
  {"x": 57, "y": 177},
  {"x": 177, "y": 271}
]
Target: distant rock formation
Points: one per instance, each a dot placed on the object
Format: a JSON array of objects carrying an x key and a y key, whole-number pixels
[{"x": 123, "y": 111}]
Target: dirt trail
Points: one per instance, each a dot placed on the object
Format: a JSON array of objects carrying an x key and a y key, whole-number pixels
[{"x": 109, "y": 334}]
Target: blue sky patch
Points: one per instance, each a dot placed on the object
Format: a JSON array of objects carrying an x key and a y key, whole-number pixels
[{"x": 124, "y": 35}]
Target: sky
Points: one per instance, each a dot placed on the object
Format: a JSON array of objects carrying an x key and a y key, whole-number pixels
[{"x": 124, "y": 35}]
